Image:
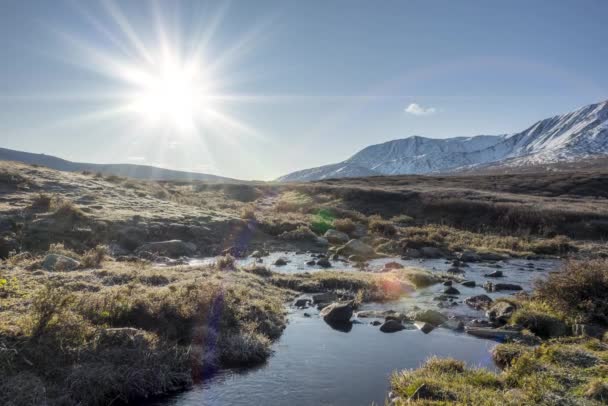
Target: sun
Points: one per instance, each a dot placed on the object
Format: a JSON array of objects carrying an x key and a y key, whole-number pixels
[{"x": 170, "y": 92}]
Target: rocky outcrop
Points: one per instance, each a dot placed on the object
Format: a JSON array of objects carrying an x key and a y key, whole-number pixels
[
  {"x": 356, "y": 247},
  {"x": 479, "y": 302},
  {"x": 391, "y": 326},
  {"x": 337, "y": 312},
  {"x": 336, "y": 237},
  {"x": 429, "y": 316},
  {"x": 56, "y": 262},
  {"x": 497, "y": 287},
  {"x": 500, "y": 312},
  {"x": 431, "y": 252}
]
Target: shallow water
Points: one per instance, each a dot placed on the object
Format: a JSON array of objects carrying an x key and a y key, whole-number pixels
[{"x": 314, "y": 364}]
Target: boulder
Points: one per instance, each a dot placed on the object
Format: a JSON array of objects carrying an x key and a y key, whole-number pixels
[
  {"x": 312, "y": 262},
  {"x": 391, "y": 326},
  {"x": 171, "y": 248},
  {"x": 491, "y": 256},
  {"x": 390, "y": 248},
  {"x": 56, "y": 262},
  {"x": 497, "y": 287},
  {"x": 495, "y": 274},
  {"x": 424, "y": 327},
  {"x": 455, "y": 270},
  {"x": 325, "y": 297},
  {"x": 500, "y": 312},
  {"x": 376, "y": 323},
  {"x": 360, "y": 231},
  {"x": 280, "y": 262},
  {"x": 447, "y": 283},
  {"x": 7, "y": 246},
  {"x": 429, "y": 316},
  {"x": 356, "y": 247},
  {"x": 393, "y": 265},
  {"x": 588, "y": 330},
  {"x": 336, "y": 237},
  {"x": 324, "y": 263},
  {"x": 431, "y": 252},
  {"x": 356, "y": 258},
  {"x": 302, "y": 302},
  {"x": 412, "y": 253},
  {"x": 469, "y": 256},
  {"x": 453, "y": 324},
  {"x": 322, "y": 241},
  {"x": 337, "y": 312},
  {"x": 450, "y": 290},
  {"x": 479, "y": 302},
  {"x": 469, "y": 284}
]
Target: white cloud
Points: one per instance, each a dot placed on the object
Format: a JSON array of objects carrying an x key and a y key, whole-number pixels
[{"x": 418, "y": 110}]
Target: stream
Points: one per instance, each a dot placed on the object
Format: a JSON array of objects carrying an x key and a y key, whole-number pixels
[{"x": 314, "y": 364}]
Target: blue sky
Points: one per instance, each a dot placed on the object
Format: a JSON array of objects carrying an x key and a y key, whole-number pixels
[{"x": 299, "y": 83}]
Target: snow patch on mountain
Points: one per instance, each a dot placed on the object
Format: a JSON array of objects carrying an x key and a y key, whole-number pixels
[{"x": 568, "y": 137}]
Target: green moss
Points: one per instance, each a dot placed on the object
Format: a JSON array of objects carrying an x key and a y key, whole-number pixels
[{"x": 564, "y": 371}]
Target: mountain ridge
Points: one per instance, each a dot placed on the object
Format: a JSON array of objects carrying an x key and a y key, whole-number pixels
[
  {"x": 579, "y": 134},
  {"x": 145, "y": 172}
]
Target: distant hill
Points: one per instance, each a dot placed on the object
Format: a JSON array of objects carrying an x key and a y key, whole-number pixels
[
  {"x": 145, "y": 172},
  {"x": 569, "y": 137}
]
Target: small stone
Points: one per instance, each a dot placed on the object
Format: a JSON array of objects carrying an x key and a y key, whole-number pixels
[
  {"x": 391, "y": 326},
  {"x": 450, "y": 290},
  {"x": 302, "y": 302},
  {"x": 479, "y": 302},
  {"x": 424, "y": 327},
  {"x": 324, "y": 263}
]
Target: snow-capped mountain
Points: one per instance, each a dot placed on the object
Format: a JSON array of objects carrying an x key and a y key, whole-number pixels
[{"x": 568, "y": 137}]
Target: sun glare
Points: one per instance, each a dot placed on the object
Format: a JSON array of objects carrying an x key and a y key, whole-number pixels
[{"x": 172, "y": 93}]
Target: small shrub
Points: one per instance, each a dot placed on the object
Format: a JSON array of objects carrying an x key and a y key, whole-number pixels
[
  {"x": 597, "y": 390},
  {"x": 504, "y": 354},
  {"x": 226, "y": 262},
  {"x": 66, "y": 209},
  {"x": 114, "y": 178},
  {"x": 259, "y": 270},
  {"x": 48, "y": 305},
  {"x": 559, "y": 245},
  {"x": 578, "y": 291},
  {"x": 302, "y": 233},
  {"x": 242, "y": 193},
  {"x": 382, "y": 227},
  {"x": 248, "y": 212},
  {"x": 42, "y": 202},
  {"x": 542, "y": 324},
  {"x": 344, "y": 225},
  {"x": 402, "y": 219},
  {"x": 60, "y": 249},
  {"x": 293, "y": 201},
  {"x": 245, "y": 348},
  {"x": 94, "y": 257},
  {"x": 321, "y": 222},
  {"x": 13, "y": 179}
]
